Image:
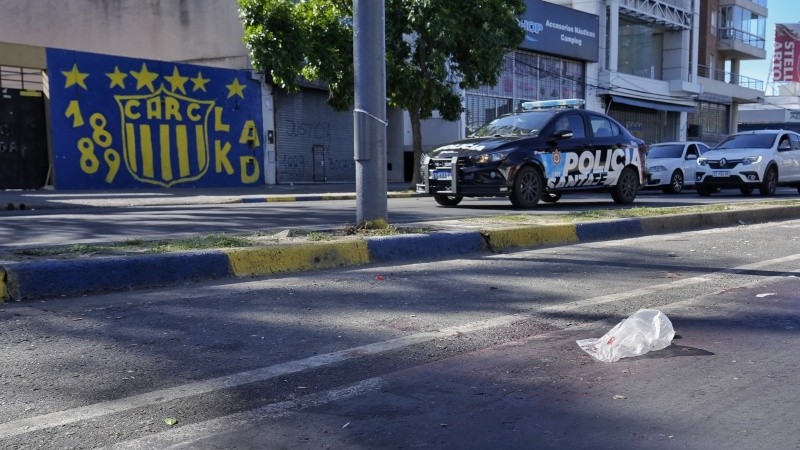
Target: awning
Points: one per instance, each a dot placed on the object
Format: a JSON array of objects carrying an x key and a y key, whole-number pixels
[{"x": 652, "y": 105}]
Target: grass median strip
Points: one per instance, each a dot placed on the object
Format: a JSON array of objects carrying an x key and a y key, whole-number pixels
[{"x": 519, "y": 235}]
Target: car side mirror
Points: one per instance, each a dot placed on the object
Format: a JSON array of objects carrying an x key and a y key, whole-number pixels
[
  {"x": 691, "y": 156},
  {"x": 784, "y": 146},
  {"x": 563, "y": 134}
]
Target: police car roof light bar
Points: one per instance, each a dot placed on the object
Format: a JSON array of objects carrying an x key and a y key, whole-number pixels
[{"x": 554, "y": 104}]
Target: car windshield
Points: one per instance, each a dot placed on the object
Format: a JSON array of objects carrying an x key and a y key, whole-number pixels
[
  {"x": 665, "y": 151},
  {"x": 761, "y": 140},
  {"x": 524, "y": 124}
]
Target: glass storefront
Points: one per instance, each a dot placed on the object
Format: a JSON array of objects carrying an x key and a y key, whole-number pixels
[{"x": 525, "y": 76}]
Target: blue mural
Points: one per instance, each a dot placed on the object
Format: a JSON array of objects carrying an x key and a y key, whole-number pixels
[{"x": 131, "y": 123}]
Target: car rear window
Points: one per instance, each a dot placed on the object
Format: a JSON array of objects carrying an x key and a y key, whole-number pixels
[{"x": 760, "y": 140}]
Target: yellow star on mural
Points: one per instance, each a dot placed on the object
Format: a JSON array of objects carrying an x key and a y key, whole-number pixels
[
  {"x": 200, "y": 82},
  {"x": 75, "y": 76},
  {"x": 144, "y": 78},
  {"x": 235, "y": 88},
  {"x": 117, "y": 78},
  {"x": 177, "y": 81}
]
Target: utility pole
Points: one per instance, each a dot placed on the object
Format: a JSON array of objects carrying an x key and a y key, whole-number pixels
[{"x": 369, "y": 114}]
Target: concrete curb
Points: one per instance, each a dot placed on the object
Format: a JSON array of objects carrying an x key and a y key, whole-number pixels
[
  {"x": 320, "y": 197},
  {"x": 70, "y": 278}
]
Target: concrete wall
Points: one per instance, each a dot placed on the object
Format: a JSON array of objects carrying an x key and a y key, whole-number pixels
[{"x": 206, "y": 32}]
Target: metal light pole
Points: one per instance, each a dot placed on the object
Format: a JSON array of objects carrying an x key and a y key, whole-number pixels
[{"x": 369, "y": 57}]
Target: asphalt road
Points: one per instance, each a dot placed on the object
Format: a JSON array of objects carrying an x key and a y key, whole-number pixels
[
  {"x": 54, "y": 227},
  {"x": 471, "y": 353}
]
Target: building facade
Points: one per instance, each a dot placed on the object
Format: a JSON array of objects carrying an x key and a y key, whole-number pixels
[
  {"x": 637, "y": 66},
  {"x": 730, "y": 31},
  {"x": 304, "y": 140}
]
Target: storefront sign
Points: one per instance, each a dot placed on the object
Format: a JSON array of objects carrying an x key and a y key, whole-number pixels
[
  {"x": 787, "y": 52},
  {"x": 560, "y": 31},
  {"x": 133, "y": 123}
]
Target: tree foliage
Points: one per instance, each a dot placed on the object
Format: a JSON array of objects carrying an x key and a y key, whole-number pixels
[{"x": 434, "y": 48}]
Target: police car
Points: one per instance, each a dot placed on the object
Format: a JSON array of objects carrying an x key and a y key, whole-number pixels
[{"x": 550, "y": 148}]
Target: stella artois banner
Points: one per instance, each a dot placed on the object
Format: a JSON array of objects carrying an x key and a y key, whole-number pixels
[
  {"x": 786, "y": 57},
  {"x": 132, "y": 123}
]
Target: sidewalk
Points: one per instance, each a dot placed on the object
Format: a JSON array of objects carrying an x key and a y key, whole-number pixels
[{"x": 64, "y": 199}]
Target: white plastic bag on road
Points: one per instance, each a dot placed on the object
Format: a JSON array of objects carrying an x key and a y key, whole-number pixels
[{"x": 645, "y": 330}]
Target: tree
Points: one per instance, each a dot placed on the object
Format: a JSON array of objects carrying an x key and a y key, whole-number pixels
[{"x": 434, "y": 49}]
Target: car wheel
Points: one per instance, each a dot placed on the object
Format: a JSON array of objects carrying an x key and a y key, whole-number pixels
[
  {"x": 675, "y": 183},
  {"x": 448, "y": 200},
  {"x": 770, "y": 183},
  {"x": 528, "y": 187},
  {"x": 704, "y": 191},
  {"x": 551, "y": 197},
  {"x": 627, "y": 186},
  {"x": 746, "y": 191}
]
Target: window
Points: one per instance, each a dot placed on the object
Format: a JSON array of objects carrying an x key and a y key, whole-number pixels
[
  {"x": 640, "y": 49},
  {"x": 602, "y": 127},
  {"x": 742, "y": 25},
  {"x": 576, "y": 126},
  {"x": 525, "y": 76},
  {"x": 713, "y": 23},
  {"x": 795, "y": 141}
]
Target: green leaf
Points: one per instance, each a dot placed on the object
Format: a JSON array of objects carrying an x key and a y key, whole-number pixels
[{"x": 170, "y": 421}]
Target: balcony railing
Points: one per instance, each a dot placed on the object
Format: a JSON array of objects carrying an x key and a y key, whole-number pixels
[
  {"x": 728, "y": 77},
  {"x": 742, "y": 36}
]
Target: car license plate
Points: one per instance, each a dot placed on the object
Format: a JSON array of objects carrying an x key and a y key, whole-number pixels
[
  {"x": 722, "y": 173},
  {"x": 441, "y": 175}
]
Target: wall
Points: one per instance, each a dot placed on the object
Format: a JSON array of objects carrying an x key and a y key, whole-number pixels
[
  {"x": 204, "y": 32},
  {"x": 133, "y": 123}
]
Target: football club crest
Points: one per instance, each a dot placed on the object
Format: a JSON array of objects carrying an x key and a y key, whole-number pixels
[{"x": 165, "y": 137}]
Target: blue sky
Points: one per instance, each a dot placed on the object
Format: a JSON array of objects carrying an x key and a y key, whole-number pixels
[{"x": 780, "y": 11}]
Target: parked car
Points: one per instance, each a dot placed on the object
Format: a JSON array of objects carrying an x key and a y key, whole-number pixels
[
  {"x": 548, "y": 149},
  {"x": 762, "y": 159},
  {"x": 672, "y": 165}
]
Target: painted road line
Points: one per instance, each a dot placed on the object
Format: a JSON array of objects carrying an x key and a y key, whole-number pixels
[
  {"x": 59, "y": 418},
  {"x": 190, "y": 434}
]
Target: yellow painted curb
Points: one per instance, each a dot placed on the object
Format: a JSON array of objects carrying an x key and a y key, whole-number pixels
[
  {"x": 280, "y": 199},
  {"x": 502, "y": 239},
  {"x": 291, "y": 258},
  {"x": 3, "y": 288},
  {"x": 338, "y": 196}
]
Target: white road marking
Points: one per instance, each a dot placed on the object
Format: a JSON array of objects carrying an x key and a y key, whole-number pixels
[
  {"x": 188, "y": 435},
  {"x": 59, "y": 418}
]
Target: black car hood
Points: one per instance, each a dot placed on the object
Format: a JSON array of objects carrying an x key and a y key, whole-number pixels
[{"x": 474, "y": 146}]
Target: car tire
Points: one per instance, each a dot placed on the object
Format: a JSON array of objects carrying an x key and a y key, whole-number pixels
[
  {"x": 770, "y": 182},
  {"x": 704, "y": 191},
  {"x": 448, "y": 200},
  {"x": 528, "y": 187},
  {"x": 746, "y": 191},
  {"x": 675, "y": 183},
  {"x": 627, "y": 186},
  {"x": 551, "y": 197}
]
